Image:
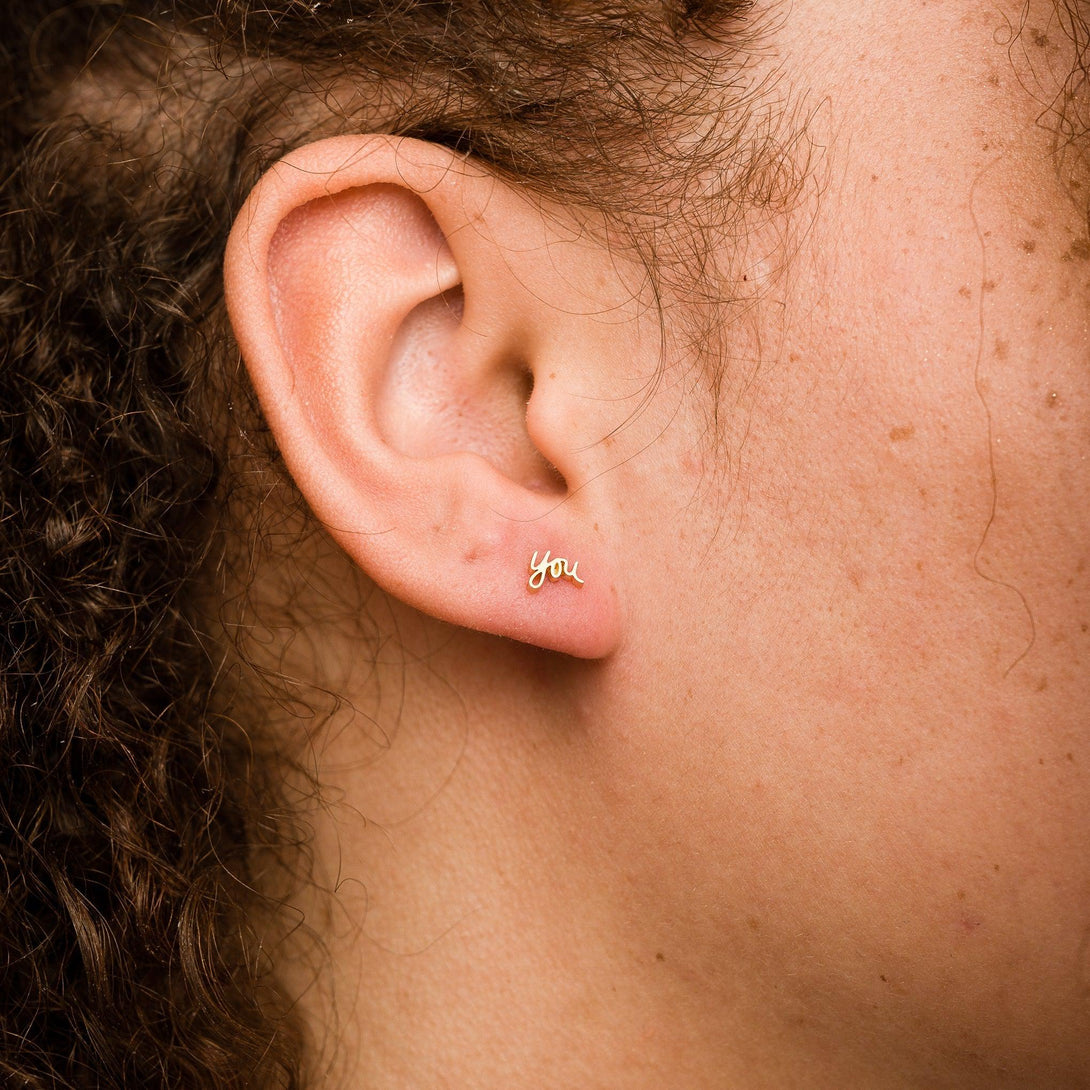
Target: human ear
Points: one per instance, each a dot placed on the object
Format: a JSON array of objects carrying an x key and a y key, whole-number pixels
[{"x": 396, "y": 340}]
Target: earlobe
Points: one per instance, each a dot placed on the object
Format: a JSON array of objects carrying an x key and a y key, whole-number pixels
[{"x": 393, "y": 343}]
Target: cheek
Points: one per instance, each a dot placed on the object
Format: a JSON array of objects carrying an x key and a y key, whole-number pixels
[
  {"x": 853, "y": 777},
  {"x": 860, "y": 764},
  {"x": 847, "y": 754}
]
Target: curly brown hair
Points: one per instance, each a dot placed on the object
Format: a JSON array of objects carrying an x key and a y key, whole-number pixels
[{"x": 133, "y": 803}]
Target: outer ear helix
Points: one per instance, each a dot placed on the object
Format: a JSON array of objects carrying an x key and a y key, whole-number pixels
[
  {"x": 326, "y": 269},
  {"x": 556, "y": 567}
]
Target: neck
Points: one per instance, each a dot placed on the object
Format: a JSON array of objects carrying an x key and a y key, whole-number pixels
[
  {"x": 476, "y": 931},
  {"x": 480, "y": 919}
]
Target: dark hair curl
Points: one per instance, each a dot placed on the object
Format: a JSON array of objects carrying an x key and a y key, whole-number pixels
[{"x": 132, "y": 804}]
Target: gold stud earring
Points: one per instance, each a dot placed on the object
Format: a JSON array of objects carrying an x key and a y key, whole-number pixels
[{"x": 555, "y": 567}]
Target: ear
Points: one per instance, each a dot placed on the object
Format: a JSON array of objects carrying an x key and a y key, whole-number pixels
[{"x": 391, "y": 303}]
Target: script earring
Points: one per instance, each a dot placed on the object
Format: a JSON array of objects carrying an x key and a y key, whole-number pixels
[{"x": 555, "y": 567}]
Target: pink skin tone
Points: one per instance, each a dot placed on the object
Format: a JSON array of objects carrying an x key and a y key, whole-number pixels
[{"x": 809, "y": 806}]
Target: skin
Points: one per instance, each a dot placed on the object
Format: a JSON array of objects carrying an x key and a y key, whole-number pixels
[{"x": 820, "y": 818}]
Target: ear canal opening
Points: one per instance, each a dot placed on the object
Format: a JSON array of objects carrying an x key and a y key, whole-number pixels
[
  {"x": 551, "y": 479},
  {"x": 454, "y": 301}
]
